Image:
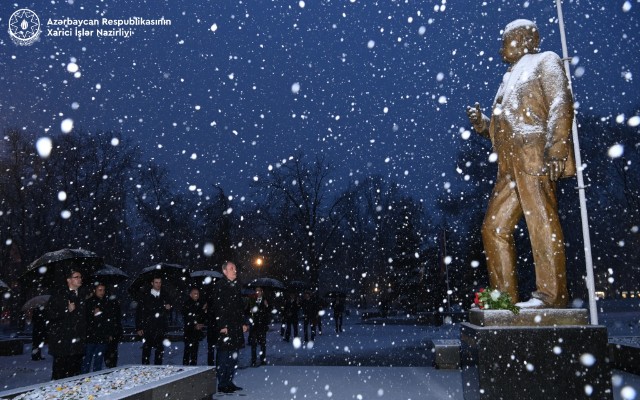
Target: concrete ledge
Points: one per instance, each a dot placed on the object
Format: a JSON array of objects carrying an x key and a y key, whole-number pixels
[
  {"x": 530, "y": 317},
  {"x": 447, "y": 353},
  {"x": 187, "y": 383},
  {"x": 11, "y": 347}
]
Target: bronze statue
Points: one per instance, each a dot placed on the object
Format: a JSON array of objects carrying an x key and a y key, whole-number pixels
[{"x": 530, "y": 130}]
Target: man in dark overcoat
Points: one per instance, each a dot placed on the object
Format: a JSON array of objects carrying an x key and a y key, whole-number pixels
[
  {"x": 194, "y": 316},
  {"x": 259, "y": 319},
  {"x": 67, "y": 328},
  {"x": 100, "y": 329},
  {"x": 152, "y": 321},
  {"x": 230, "y": 324}
]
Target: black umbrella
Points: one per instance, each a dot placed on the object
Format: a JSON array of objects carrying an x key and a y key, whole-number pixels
[
  {"x": 36, "y": 302},
  {"x": 51, "y": 269},
  {"x": 174, "y": 277},
  {"x": 109, "y": 275},
  {"x": 266, "y": 283},
  {"x": 206, "y": 277}
]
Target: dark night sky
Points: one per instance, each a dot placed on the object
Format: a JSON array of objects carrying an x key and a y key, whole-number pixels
[{"x": 383, "y": 84}]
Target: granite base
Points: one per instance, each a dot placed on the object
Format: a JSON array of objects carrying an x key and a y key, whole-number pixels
[{"x": 535, "y": 362}]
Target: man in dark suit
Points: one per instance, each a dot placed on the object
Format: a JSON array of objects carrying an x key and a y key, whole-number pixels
[
  {"x": 530, "y": 129},
  {"x": 230, "y": 324},
  {"x": 152, "y": 321},
  {"x": 67, "y": 327}
]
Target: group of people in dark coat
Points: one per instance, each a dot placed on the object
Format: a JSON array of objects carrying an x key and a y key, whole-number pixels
[
  {"x": 222, "y": 313},
  {"x": 312, "y": 310},
  {"x": 81, "y": 327}
]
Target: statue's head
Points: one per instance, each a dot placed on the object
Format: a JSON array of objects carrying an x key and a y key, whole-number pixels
[{"x": 520, "y": 37}]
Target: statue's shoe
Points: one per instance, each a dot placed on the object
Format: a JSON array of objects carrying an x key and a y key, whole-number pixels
[{"x": 532, "y": 303}]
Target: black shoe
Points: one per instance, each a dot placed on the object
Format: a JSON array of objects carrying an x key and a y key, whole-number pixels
[
  {"x": 234, "y": 387},
  {"x": 254, "y": 364},
  {"x": 225, "y": 389}
]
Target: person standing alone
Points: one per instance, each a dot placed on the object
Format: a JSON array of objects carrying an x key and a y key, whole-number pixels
[
  {"x": 152, "y": 321},
  {"x": 230, "y": 324},
  {"x": 100, "y": 329},
  {"x": 193, "y": 315},
  {"x": 259, "y": 318},
  {"x": 67, "y": 327}
]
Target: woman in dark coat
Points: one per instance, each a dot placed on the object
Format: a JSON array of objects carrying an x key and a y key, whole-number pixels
[
  {"x": 193, "y": 315},
  {"x": 259, "y": 319}
]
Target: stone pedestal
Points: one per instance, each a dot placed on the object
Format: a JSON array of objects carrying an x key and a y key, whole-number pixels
[{"x": 544, "y": 360}]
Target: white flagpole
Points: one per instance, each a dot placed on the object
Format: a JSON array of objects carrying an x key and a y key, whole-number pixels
[{"x": 593, "y": 312}]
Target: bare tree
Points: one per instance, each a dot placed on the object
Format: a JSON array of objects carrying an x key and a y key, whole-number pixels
[{"x": 302, "y": 207}]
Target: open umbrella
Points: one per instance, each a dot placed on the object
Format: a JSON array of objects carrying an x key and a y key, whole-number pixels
[
  {"x": 205, "y": 278},
  {"x": 51, "y": 269},
  {"x": 266, "y": 283},
  {"x": 36, "y": 302},
  {"x": 174, "y": 277},
  {"x": 109, "y": 275}
]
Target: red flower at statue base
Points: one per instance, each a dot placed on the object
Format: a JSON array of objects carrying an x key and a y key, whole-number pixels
[{"x": 493, "y": 299}]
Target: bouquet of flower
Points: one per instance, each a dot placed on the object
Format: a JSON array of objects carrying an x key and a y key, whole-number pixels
[{"x": 493, "y": 299}]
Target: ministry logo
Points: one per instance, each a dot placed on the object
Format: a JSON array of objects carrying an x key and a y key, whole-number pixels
[{"x": 24, "y": 27}]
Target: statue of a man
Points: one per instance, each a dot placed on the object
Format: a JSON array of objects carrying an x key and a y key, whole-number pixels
[{"x": 530, "y": 130}]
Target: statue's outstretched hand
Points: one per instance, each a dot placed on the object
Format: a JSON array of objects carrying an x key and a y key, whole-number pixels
[
  {"x": 474, "y": 114},
  {"x": 556, "y": 168}
]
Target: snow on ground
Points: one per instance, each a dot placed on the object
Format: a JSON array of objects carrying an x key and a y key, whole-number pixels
[{"x": 364, "y": 362}]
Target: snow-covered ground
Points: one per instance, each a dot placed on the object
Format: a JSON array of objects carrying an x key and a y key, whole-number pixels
[{"x": 364, "y": 362}]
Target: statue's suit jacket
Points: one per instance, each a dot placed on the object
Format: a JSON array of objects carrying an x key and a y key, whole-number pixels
[{"x": 532, "y": 117}]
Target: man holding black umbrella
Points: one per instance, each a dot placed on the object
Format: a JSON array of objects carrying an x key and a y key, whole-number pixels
[
  {"x": 67, "y": 327},
  {"x": 152, "y": 321}
]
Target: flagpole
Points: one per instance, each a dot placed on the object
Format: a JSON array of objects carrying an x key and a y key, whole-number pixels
[
  {"x": 593, "y": 312},
  {"x": 446, "y": 264}
]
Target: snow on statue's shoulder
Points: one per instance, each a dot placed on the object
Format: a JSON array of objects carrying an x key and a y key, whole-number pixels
[{"x": 527, "y": 66}]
